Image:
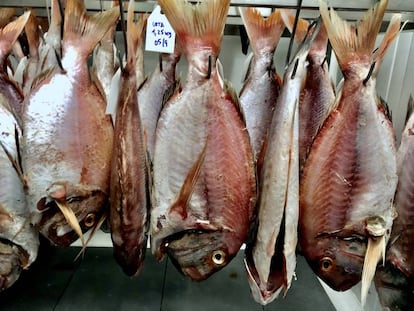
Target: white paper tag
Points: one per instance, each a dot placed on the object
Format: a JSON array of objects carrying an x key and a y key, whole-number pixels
[{"x": 160, "y": 36}]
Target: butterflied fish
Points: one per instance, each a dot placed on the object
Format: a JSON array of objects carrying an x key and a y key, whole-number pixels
[
  {"x": 395, "y": 281},
  {"x": 129, "y": 174},
  {"x": 154, "y": 92},
  {"x": 68, "y": 139},
  {"x": 270, "y": 257},
  {"x": 261, "y": 88},
  {"x": 317, "y": 95},
  {"x": 350, "y": 176},
  {"x": 204, "y": 181}
]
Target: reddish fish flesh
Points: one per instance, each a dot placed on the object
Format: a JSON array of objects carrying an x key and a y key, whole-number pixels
[
  {"x": 204, "y": 181},
  {"x": 68, "y": 139},
  {"x": 350, "y": 176},
  {"x": 154, "y": 92},
  {"x": 270, "y": 258},
  {"x": 261, "y": 88},
  {"x": 317, "y": 96},
  {"x": 129, "y": 217},
  {"x": 395, "y": 280}
]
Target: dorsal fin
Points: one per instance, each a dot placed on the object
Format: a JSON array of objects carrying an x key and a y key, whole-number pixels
[
  {"x": 184, "y": 196},
  {"x": 410, "y": 108}
]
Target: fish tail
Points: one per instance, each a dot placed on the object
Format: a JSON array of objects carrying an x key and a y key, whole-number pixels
[
  {"x": 6, "y": 16},
  {"x": 135, "y": 30},
  {"x": 32, "y": 34},
  {"x": 302, "y": 27},
  {"x": 264, "y": 33},
  {"x": 375, "y": 251},
  {"x": 389, "y": 37},
  {"x": 203, "y": 21},
  {"x": 84, "y": 31},
  {"x": 10, "y": 33},
  {"x": 353, "y": 44}
]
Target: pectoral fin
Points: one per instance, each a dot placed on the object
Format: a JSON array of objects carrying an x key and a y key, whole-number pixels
[{"x": 181, "y": 204}]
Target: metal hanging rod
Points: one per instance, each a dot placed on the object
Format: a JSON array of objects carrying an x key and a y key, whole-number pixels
[{"x": 348, "y": 9}]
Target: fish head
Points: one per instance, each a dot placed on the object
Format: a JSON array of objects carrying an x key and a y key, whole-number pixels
[
  {"x": 12, "y": 259},
  {"x": 85, "y": 203},
  {"x": 198, "y": 254},
  {"x": 338, "y": 262}
]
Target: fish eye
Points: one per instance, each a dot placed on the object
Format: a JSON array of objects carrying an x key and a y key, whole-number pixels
[
  {"x": 89, "y": 220},
  {"x": 218, "y": 257},
  {"x": 326, "y": 264}
]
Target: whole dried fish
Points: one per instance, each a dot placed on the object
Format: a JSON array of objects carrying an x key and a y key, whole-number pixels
[
  {"x": 395, "y": 281},
  {"x": 67, "y": 146},
  {"x": 270, "y": 257},
  {"x": 350, "y": 176},
  {"x": 204, "y": 181},
  {"x": 260, "y": 90},
  {"x": 129, "y": 211}
]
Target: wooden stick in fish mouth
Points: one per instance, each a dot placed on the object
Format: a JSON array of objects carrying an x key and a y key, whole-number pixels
[
  {"x": 375, "y": 250},
  {"x": 71, "y": 219}
]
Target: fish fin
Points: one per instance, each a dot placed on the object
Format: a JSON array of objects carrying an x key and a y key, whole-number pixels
[
  {"x": 54, "y": 33},
  {"x": 231, "y": 93},
  {"x": 181, "y": 204},
  {"x": 97, "y": 82},
  {"x": 16, "y": 165},
  {"x": 43, "y": 77},
  {"x": 4, "y": 215},
  {"x": 383, "y": 105},
  {"x": 71, "y": 219},
  {"x": 11, "y": 32},
  {"x": 134, "y": 32},
  {"x": 410, "y": 108},
  {"x": 172, "y": 89},
  {"x": 196, "y": 21},
  {"x": 353, "y": 44},
  {"x": 375, "y": 250},
  {"x": 33, "y": 36},
  {"x": 392, "y": 31},
  {"x": 288, "y": 17},
  {"x": 6, "y": 16},
  {"x": 85, "y": 31},
  {"x": 264, "y": 33}
]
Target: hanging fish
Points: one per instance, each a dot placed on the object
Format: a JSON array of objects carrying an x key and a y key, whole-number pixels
[
  {"x": 270, "y": 257},
  {"x": 317, "y": 95},
  {"x": 204, "y": 181},
  {"x": 18, "y": 239},
  {"x": 262, "y": 84},
  {"x": 395, "y": 281},
  {"x": 68, "y": 139},
  {"x": 155, "y": 92},
  {"x": 129, "y": 211},
  {"x": 350, "y": 176}
]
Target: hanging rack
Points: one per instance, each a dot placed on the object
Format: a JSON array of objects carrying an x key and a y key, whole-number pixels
[{"x": 348, "y": 9}]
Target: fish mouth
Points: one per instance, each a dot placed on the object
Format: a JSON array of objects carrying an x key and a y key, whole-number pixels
[
  {"x": 197, "y": 253},
  {"x": 54, "y": 226},
  {"x": 13, "y": 258}
]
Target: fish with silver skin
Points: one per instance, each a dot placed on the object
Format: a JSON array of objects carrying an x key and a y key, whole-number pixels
[
  {"x": 155, "y": 92},
  {"x": 262, "y": 85},
  {"x": 129, "y": 193},
  {"x": 318, "y": 93},
  {"x": 270, "y": 257},
  {"x": 395, "y": 280},
  {"x": 68, "y": 139},
  {"x": 18, "y": 239},
  {"x": 204, "y": 185},
  {"x": 350, "y": 176}
]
